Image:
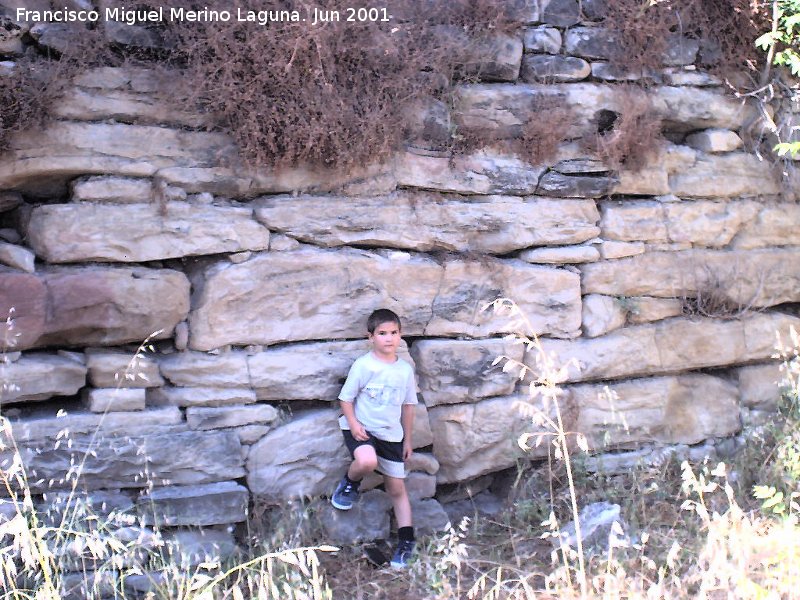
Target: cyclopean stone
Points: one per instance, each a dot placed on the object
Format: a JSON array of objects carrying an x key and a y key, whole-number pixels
[
  {"x": 283, "y": 465},
  {"x": 112, "y": 305},
  {"x": 472, "y": 439},
  {"x": 444, "y": 300},
  {"x": 686, "y": 409},
  {"x": 453, "y": 371},
  {"x": 429, "y": 222},
  {"x": 38, "y": 376},
  {"x": 102, "y": 232},
  {"x": 742, "y": 278},
  {"x": 554, "y": 68},
  {"x": 206, "y": 504},
  {"x": 667, "y": 346},
  {"x": 483, "y": 172}
]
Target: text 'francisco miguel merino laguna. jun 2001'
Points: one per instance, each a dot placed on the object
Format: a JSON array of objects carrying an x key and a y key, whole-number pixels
[{"x": 205, "y": 15}]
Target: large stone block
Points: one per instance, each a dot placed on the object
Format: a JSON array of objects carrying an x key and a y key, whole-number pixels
[
  {"x": 174, "y": 458},
  {"x": 307, "y": 371},
  {"x": 196, "y": 505},
  {"x": 425, "y": 222},
  {"x": 305, "y": 457},
  {"x": 544, "y": 67},
  {"x": 653, "y": 178},
  {"x": 107, "y": 306},
  {"x": 38, "y": 430},
  {"x": 480, "y": 173},
  {"x": 703, "y": 223},
  {"x": 503, "y": 109},
  {"x": 340, "y": 287},
  {"x": 117, "y": 190},
  {"x": 760, "y": 385},
  {"x": 429, "y": 516},
  {"x": 453, "y": 371},
  {"x": 571, "y": 186},
  {"x": 667, "y": 410},
  {"x": 591, "y": 42},
  {"x": 367, "y": 520},
  {"x": 197, "y": 369},
  {"x": 218, "y": 417},
  {"x": 690, "y": 108},
  {"x": 714, "y": 140},
  {"x": 107, "y": 400},
  {"x": 23, "y": 308},
  {"x": 41, "y": 163},
  {"x": 776, "y": 224},
  {"x": 741, "y": 278},
  {"x": 542, "y": 39},
  {"x": 199, "y": 396},
  {"x": 561, "y": 13},
  {"x": 496, "y": 58},
  {"x": 39, "y": 377},
  {"x": 667, "y": 347},
  {"x": 17, "y": 257},
  {"x": 602, "y": 314},
  {"x": 113, "y": 368},
  {"x": 473, "y": 439},
  {"x": 103, "y": 233},
  {"x": 726, "y": 176},
  {"x": 126, "y": 95}
]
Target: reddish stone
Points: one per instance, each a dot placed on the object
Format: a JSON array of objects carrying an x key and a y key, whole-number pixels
[
  {"x": 108, "y": 306},
  {"x": 26, "y": 295}
]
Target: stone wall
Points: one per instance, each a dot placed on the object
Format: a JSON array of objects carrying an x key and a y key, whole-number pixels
[{"x": 125, "y": 220}]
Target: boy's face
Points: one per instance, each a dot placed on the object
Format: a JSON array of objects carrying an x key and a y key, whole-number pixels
[{"x": 385, "y": 339}]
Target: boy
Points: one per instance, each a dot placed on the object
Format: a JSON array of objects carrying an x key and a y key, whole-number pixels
[{"x": 377, "y": 402}]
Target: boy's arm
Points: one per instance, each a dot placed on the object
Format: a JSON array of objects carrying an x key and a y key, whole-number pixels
[
  {"x": 356, "y": 428},
  {"x": 407, "y": 420}
]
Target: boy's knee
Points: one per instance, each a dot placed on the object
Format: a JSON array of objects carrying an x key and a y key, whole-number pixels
[
  {"x": 395, "y": 489},
  {"x": 367, "y": 462}
]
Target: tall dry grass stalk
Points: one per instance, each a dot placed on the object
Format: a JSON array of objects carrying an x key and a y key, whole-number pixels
[{"x": 70, "y": 550}]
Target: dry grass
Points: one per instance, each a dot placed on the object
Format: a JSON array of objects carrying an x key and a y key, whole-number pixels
[
  {"x": 727, "y": 30},
  {"x": 690, "y": 534},
  {"x": 634, "y": 137}
]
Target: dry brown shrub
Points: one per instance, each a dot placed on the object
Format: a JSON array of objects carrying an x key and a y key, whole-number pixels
[
  {"x": 536, "y": 141},
  {"x": 334, "y": 93},
  {"x": 546, "y": 130},
  {"x": 713, "y": 295},
  {"x": 631, "y": 137},
  {"x": 725, "y": 28},
  {"x": 39, "y": 79},
  {"x": 292, "y": 92}
]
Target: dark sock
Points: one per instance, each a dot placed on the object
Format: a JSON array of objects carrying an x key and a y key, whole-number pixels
[
  {"x": 406, "y": 534},
  {"x": 354, "y": 483}
]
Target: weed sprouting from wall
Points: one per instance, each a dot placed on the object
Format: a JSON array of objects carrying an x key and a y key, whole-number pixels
[
  {"x": 725, "y": 29},
  {"x": 631, "y": 137}
]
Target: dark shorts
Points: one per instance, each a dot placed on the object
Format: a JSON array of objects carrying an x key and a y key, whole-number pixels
[{"x": 390, "y": 454}]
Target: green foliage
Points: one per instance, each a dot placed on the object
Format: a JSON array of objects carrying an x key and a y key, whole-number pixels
[{"x": 782, "y": 41}]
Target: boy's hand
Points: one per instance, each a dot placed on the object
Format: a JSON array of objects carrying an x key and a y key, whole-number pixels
[
  {"x": 407, "y": 450},
  {"x": 358, "y": 432}
]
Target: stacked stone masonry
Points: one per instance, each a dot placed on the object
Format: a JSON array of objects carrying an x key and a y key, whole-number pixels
[{"x": 125, "y": 222}]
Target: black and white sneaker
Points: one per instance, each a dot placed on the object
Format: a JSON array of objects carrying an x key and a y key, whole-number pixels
[
  {"x": 403, "y": 553},
  {"x": 346, "y": 495}
]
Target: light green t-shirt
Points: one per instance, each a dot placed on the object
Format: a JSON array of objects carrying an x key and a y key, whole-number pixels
[{"x": 379, "y": 391}]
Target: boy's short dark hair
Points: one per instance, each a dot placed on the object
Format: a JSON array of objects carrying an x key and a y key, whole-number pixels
[{"x": 382, "y": 315}]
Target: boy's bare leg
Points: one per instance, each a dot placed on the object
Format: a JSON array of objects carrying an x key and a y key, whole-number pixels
[
  {"x": 365, "y": 461},
  {"x": 396, "y": 488}
]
